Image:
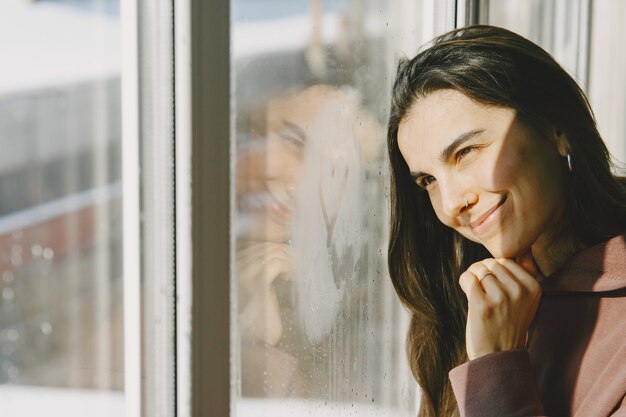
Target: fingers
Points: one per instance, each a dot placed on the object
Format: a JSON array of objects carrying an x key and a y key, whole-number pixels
[
  {"x": 259, "y": 264},
  {"x": 486, "y": 278},
  {"x": 529, "y": 281},
  {"x": 501, "y": 279},
  {"x": 472, "y": 289},
  {"x": 509, "y": 280},
  {"x": 257, "y": 252}
]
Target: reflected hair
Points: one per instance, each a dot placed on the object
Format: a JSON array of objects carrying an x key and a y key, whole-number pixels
[{"x": 495, "y": 67}]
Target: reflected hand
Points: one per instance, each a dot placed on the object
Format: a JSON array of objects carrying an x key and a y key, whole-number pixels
[
  {"x": 258, "y": 266},
  {"x": 503, "y": 298}
]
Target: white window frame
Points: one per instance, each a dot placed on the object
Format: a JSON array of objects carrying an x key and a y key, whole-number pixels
[{"x": 148, "y": 152}]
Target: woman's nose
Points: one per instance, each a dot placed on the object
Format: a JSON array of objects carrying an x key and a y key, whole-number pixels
[{"x": 454, "y": 198}]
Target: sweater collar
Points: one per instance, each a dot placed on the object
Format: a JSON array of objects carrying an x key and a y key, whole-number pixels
[{"x": 598, "y": 268}]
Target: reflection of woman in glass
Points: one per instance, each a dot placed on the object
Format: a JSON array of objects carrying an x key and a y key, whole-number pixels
[
  {"x": 299, "y": 195},
  {"x": 507, "y": 240}
]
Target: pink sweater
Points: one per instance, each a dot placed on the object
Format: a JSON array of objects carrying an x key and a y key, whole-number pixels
[{"x": 575, "y": 364}]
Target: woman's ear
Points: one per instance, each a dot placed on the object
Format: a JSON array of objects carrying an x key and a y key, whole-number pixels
[{"x": 561, "y": 142}]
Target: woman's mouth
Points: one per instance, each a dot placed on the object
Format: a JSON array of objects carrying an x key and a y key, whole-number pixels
[{"x": 487, "y": 218}]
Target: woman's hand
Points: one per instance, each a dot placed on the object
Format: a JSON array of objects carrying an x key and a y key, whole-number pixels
[{"x": 502, "y": 301}]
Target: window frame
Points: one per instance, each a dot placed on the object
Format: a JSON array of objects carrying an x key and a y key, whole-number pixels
[
  {"x": 204, "y": 208},
  {"x": 148, "y": 150}
]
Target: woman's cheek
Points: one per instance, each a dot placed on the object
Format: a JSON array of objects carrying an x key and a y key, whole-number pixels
[
  {"x": 503, "y": 173},
  {"x": 435, "y": 201}
]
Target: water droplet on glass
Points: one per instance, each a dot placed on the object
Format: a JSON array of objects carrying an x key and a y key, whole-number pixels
[
  {"x": 46, "y": 328},
  {"x": 8, "y": 293},
  {"x": 36, "y": 250},
  {"x": 48, "y": 253}
]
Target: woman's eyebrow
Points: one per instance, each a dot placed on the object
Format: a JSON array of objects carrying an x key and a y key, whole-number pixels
[
  {"x": 461, "y": 139},
  {"x": 449, "y": 150}
]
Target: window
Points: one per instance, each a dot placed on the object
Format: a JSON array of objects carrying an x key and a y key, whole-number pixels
[
  {"x": 319, "y": 328},
  {"x": 61, "y": 332}
]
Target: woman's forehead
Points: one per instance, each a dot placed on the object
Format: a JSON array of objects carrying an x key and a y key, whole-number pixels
[
  {"x": 449, "y": 108},
  {"x": 444, "y": 114},
  {"x": 435, "y": 121}
]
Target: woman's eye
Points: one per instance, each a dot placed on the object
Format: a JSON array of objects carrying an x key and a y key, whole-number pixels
[
  {"x": 425, "y": 181},
  {"x": 464, "y": 152}
]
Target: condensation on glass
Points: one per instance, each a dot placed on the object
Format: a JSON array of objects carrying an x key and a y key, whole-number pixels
[
  {"x": 319, "y": 328},
  {"x": 61, "y": 343}
]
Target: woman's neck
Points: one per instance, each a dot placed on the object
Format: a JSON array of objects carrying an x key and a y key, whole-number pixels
[{"x": 550, "y": 254}]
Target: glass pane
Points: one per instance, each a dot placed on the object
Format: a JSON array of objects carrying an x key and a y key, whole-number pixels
[
  {"x": 320, "y": 329},
  {"x": 607, "y": 84},
  {"x": 61, "y": 321}
]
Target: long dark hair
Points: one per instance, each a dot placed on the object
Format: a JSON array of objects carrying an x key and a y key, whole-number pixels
[{"x": 496, "y": 67}]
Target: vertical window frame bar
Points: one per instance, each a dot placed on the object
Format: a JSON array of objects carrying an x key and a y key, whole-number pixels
[
  {"x": 157, "y": 207},
  {"x": 148, "y": 207},
  {"x": 183, "y": 169},
  {"x": 204, "y": 204},
  {"x": 131, "y": 218}
]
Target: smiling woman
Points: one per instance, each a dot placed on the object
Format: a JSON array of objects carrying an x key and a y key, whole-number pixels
[
  {"x": 498, "y": 183},
  {"x": 504, "y": 208}
]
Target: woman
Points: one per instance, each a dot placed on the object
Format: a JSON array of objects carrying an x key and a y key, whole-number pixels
[{"x": 506, "y": 233}]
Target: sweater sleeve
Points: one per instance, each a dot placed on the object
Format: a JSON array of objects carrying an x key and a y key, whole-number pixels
[{"x": 499, "y": 384}]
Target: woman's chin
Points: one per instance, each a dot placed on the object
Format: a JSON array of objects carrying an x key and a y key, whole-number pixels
[
  {"x": 499, "y": 247},
  {"x": 506, "y": 252}
]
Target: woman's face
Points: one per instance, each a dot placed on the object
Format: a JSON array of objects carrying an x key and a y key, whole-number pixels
[{"x": 466, "y": 153}]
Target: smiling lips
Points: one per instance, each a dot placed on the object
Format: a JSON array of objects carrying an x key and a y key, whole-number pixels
[{"x": 478, "y": 222}]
